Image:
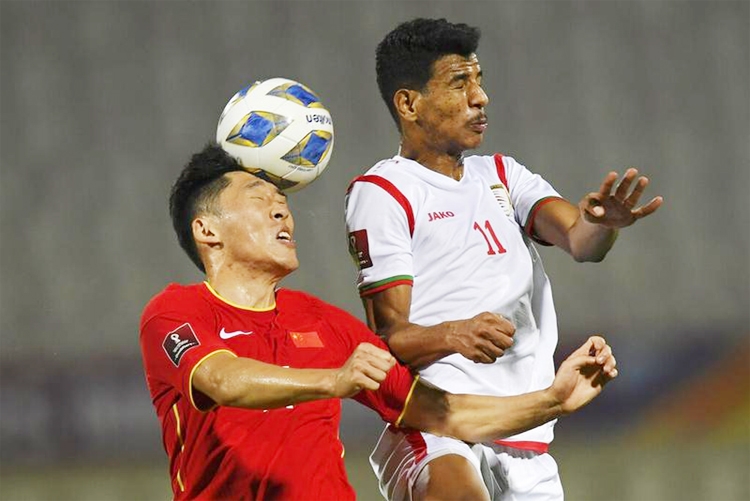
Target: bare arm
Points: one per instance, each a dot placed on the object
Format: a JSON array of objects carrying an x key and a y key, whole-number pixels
[
  {"x": 480, "y": 418},
  {"x": 587, "y": 232},
  {"x": 245, "y": 382},
  {"x": 482, "y": 338}
]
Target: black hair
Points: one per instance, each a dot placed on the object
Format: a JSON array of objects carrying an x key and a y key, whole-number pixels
[
  {"x": 404, "y": 58},
  {"x": 195, "y": 191}
]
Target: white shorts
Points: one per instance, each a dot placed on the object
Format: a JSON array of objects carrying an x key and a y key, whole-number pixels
[{"x": 510, "y": 474}]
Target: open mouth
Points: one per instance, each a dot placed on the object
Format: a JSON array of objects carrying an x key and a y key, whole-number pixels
[{"x": 284, "y": 236}]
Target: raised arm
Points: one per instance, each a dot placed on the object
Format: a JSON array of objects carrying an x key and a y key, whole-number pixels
[
  {"x": 244, "y": 382},
  {"x": 482, "y": 338},
  {"x": 587, "y": 232},
  {"x": 474, "y": 418}
]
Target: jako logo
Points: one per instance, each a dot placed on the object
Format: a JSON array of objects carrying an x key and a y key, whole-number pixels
[
  {"x": 439, "y": 215},
  {"x": 320, "y": 119}
]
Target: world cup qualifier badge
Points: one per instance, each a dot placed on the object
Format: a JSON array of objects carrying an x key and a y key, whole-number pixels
[
  {"x": 359, "y": 248},
  {"x": 179, "y": 341},
  {"x": 503, "y": 198}
]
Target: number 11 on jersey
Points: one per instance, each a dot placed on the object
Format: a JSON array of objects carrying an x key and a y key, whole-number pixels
[{"x": 498, "y": 249}]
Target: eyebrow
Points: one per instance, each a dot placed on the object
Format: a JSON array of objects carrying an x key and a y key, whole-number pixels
[
  {"x": 259, "y": 182},
  {"x": 464, "y": 75}
]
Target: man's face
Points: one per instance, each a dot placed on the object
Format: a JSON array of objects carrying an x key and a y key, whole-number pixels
[
  {"x": 451, "y": 109},
  {"x": 256, "y": 226}
]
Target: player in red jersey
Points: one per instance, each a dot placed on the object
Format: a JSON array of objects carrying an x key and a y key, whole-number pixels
[{"x": 246, "y": 377}]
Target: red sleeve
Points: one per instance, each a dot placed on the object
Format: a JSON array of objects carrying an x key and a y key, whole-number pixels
[
  {"x": 178, "y": 332},
  {"x": 390, "y": 399}
]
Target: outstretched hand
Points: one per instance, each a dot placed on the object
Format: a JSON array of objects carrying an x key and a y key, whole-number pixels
[
  {"x": 583, "y": 374},
  {"x": 617, "y": 210}
]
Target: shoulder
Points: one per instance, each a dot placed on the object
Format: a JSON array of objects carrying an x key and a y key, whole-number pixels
[
  {"x": 385, "y": 169},
  {"x": 300, "y": 306},
  {"x": 289, "y": 299},
  {"x": 175, "y": 298},
  {"x": 494, "y": 167}
]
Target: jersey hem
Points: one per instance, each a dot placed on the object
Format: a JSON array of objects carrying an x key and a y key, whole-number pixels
[
  {"x": 406, "y": 402},
  {"x": 387, "y": 283},
  {"x": 538, "y": 447},
  {"x": 529, "y": 228}
]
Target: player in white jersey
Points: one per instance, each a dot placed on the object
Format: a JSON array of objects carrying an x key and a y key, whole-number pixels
[{"x": 448, "y": 273}]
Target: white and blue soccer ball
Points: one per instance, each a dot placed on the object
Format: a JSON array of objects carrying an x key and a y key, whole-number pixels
[{"x": 279, "y": 130}]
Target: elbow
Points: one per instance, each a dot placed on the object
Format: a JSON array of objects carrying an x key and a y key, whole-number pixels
[
  {"x": 455, "y": 423},
  {"x": 583, "y": 255},
  {"x": 219, "y": 389},
  {"x": 589, "y": 258}
]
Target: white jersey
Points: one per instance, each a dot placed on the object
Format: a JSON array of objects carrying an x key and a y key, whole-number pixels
[{"x": 464, "y": 247}]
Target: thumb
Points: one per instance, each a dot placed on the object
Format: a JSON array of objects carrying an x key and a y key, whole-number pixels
[{"x": 594, "y": 205}]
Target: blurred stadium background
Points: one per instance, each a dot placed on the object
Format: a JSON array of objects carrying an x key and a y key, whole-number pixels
[{"x": 102, "y": 102}]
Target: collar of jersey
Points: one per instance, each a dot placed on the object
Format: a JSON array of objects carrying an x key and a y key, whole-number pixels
[
  {"x": 235, "y": 305},
  {"x": 430, "y": 175}
]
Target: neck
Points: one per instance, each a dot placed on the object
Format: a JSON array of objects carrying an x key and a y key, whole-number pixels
[
  {"x": 443, "y": 162},
  {"x": 246, "y": 288}
]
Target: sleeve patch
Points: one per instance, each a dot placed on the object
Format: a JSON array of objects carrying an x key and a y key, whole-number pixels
[
  {"x": 179, "y": 341},
  {"x": 359, "y": 248}
]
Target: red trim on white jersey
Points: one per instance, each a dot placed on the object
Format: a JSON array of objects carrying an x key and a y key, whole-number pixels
[
  {"x": 417, "y": 443},
  {"x": 394, "y": 192},
  {"x": 500, "y": 165},
  {"x": 538, "y": 447},
  {"x": 530, "y": 222}
]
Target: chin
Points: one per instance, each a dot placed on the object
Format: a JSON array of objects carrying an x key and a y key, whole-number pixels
[{"x": 290, "y": 266}]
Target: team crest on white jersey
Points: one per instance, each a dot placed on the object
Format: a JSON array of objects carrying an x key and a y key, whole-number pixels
[{"x": 503, "y": 198}]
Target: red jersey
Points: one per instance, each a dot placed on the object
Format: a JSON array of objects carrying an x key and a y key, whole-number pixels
[{"x": 231, "y": 453}]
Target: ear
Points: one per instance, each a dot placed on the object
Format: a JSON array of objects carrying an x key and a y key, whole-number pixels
[
  {"x": 205, "y": 231},
  {"x": 406, "y": 102}
]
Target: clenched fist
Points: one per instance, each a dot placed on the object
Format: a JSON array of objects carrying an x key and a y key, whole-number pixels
[
  {"x": 365, "y": 369},
  {"x": 482, "y": 338}
]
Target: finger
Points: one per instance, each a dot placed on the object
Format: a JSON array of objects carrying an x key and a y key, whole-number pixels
[
  {"x": 373, "y": 373},
  {"x": 498, "y": 322},
  {"x": 481, "y": 357},
  {"x": 622, "y": 189},
  {"x": 606, "y": 188},
  {"x": 491, "y": 350},
  {"x": 605, "y": 377},
  {"x": 578, "y": 361},
  {"x": 499, "y": 340},
  {"x": 649, "y": 208},
  {"x": 602, "y": 354},
  {"x": 593, "y": 345},
  {"x": 368, "y": 384},
  {"x": 506, "y": 326},
  {"x": 374, "y": 351},
  {"x": 633, "y": 198},
  {"x": 379, "y": 363},
  {"x": 610, "y": 365}
]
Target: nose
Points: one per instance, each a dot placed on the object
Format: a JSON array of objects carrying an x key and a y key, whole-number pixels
[
  {"x": 477, "y": 97},
  {"x": 280, "y": 212}
]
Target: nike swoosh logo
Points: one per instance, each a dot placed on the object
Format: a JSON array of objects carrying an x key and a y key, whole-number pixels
[{"x": 228, "y": 335}]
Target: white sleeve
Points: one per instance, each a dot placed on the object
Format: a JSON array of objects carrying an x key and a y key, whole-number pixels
[
  {"x": 527, "y": 190},
  {"x": 379, "y": 235}
]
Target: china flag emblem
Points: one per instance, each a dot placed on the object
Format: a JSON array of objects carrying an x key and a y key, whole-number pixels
[{"x": 306, "y": 339}]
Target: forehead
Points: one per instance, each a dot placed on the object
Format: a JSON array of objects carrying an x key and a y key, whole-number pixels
[
  {"x": 451, "y": 64},
  {"x": 241, "y": 181}
]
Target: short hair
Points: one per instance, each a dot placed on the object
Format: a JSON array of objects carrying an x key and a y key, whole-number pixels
[
  {"x": 404, "y": 58},
  {"x": 195, "y": 192}
]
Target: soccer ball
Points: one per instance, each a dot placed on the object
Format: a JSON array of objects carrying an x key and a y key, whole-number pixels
[{"x": 278, "y": 130}]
